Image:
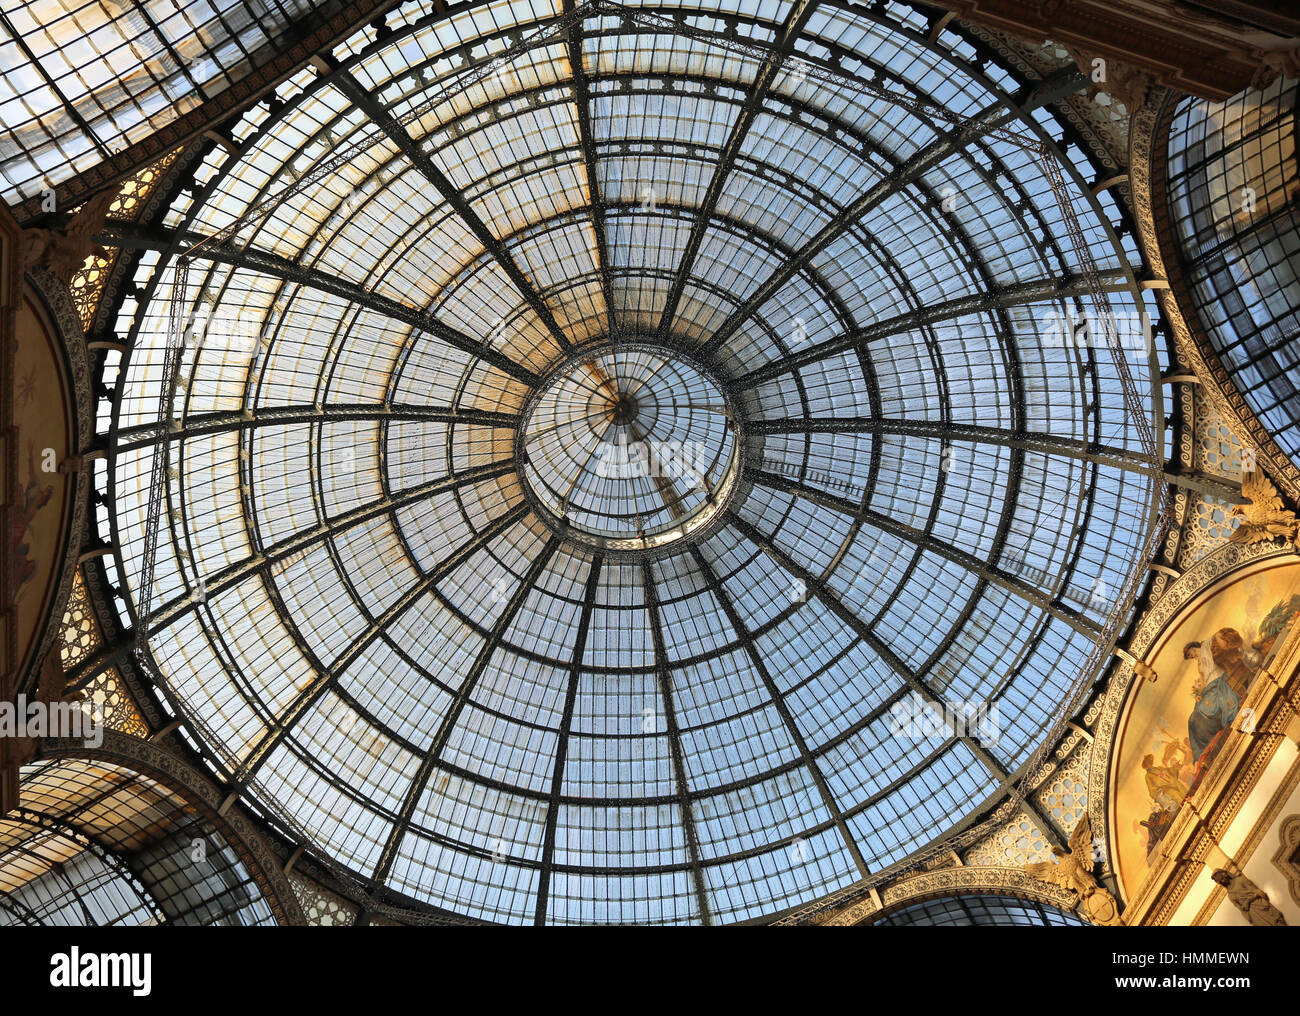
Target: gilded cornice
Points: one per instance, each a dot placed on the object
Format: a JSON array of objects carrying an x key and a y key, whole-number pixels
[
  {"x": 949, "y": 882},
  {"x": 1252, "y": 841}
]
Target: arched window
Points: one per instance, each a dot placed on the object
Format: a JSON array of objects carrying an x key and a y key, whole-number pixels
[
  {"x": 1234, "y": 194},
  {"x": 93, "y": 843},
  {"x": 975, "y": 911}
]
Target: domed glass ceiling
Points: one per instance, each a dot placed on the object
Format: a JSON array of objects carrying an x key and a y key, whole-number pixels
[{"x": 571, "y": 479}]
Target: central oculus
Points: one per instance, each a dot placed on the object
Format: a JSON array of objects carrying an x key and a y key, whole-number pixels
[{"x": 629, "y": 446}]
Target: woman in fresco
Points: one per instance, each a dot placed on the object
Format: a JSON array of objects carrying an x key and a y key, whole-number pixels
[
  {"x": 1167, "y": 790},
  {"x": 1238, "y": 662},
  {"x": 1167, "y": 785},
  {"x": 1211, "y": 717}
]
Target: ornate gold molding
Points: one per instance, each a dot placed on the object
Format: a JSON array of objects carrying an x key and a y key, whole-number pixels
[
  {"x": 1252, "y": 841},
  {"x": 1214, "y": 55},
  {"x": 1287, "y": 858},
  {"x": 1178, "y": 596}
]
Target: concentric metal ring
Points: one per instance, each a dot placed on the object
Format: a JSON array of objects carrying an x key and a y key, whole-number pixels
[{"x": 629, "y": 446}]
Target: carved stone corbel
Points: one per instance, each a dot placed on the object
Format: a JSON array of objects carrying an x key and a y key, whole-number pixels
[
  {"x": 1275, "y": 63},
  {"x": 1122, "y": 81},
  {"x": 63, "y": 251}
]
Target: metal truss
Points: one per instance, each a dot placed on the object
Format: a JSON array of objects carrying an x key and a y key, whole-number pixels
[
  {"x": 1041, "y": 444},
  {"x": 433, "y": 756},
  {"x": 770, "y": 65},
  {"x": 233, "y": 574},
  {"x": 409, "y": 147},
  {"x": 202, "y": 424},
  {"x": 308, "y": 696},
  {"x": 254, "y": 260},
  {"x": 562, "y": 743},
  {"x": 665, "y": 680},
  {"x": 782, "y": 708},
  {"x": 923, "y": 540}
]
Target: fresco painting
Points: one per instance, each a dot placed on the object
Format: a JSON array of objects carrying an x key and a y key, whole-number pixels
[{"x": 1205, "y": 661}]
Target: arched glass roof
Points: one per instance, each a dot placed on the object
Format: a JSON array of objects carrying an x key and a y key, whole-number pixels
[
  {"x": 1234, "y": 191},
  {"x": 428, "y": 637},
  {"x": 979, "y": 912},
  {"x": 80, "y": 79}
]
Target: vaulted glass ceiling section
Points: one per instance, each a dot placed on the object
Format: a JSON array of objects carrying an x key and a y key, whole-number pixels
[
  {"x": 94, "y": 843},
  {"x": 81, "y": 79},
  {"x": 1234, "y": 190},
  {"x": 445, "y": 692}
]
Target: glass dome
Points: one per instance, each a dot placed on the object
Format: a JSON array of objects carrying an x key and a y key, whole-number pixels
[
  {"x": 629, "y": 446},
  {"x": 610, "y": 421}
]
